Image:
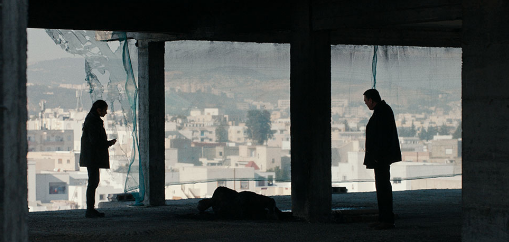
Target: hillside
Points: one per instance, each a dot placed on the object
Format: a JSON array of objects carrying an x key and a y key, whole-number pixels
[{"x": 222, "y": 74}]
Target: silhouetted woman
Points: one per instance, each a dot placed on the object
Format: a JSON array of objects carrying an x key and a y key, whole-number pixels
[{"x": 94, "y": 152}]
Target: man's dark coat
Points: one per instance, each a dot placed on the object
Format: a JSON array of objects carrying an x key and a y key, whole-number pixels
[
  {"x": 94, "y": 143},
  {"x": 382, "y": 143}
]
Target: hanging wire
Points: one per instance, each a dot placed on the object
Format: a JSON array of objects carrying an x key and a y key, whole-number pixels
[{"x": 373, "y": 64}]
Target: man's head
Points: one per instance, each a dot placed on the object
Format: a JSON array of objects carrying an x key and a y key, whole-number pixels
[
  {"x": 100, "y": 107},
  {"x": 371, "y": 98}
]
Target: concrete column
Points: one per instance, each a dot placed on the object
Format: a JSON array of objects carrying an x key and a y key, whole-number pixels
[
  {"x": 13, "y": 116},
  {"x": 151, "y": 119},
  {"x": 310, "y": 108},
  {"x": 485, "y": 96}
]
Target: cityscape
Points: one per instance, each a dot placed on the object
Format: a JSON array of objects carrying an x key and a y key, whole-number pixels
[{"x": 213, "y": 137}]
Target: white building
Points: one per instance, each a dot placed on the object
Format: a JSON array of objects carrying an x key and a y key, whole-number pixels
[
  {"x": 211, "y": 111},
  {"x": 202, "y": 181},
  {"x": 404, "y": 175},
  {"x": 50, "y": 140},
  {"x": 202, "y": 134},
  {"x": 67, "y": 190},
  {"x": 54, "y": 161},
  {"x": 283, "y": 104},
  {"x": 237, "y": 134},
  {"x": 266, "y": 158},
  {"x": 208, "y": 117},
  {"x": 281, "y": 134}
]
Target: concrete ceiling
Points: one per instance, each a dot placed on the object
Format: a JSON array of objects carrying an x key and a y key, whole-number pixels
[{"x": 435, "y": 23}]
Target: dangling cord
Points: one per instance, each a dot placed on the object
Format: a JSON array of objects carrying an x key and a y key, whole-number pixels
[{"x": 373, "y": 65}]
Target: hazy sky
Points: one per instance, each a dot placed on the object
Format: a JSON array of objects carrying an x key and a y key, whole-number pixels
[{"x": 41, "y": 47}]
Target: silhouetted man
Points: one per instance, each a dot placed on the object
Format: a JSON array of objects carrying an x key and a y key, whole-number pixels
[
  {"x": 382, "y": 149},
  {"x": 94, "y": 152}
]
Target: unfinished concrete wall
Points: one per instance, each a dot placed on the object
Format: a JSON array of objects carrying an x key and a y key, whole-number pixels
[
  {"x": 485, "y": 120},
  {"x": 13, "y": 116},
  {"x": 151, "y": 116},
  {"x": 310, "y": 99}
]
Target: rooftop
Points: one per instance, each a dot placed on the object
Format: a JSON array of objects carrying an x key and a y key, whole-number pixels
[{"x": 422, "y": 215}]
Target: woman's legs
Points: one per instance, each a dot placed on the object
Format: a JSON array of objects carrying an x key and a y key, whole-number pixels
[{"x": 93, "y": 182}]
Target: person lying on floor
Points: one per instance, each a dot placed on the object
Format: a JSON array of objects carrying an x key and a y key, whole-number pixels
[{"x": 228, "y": 203}]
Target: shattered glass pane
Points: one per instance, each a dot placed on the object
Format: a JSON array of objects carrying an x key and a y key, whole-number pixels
[{"x": 110, "y": 77}]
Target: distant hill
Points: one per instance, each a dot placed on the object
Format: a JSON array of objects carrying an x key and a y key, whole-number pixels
[
  {"x": 181, "y": 103},
  {"x": 406, "y": 76},
  {"x": 55, "y": 97},
  {"x": 59, "y": 71},
  {"x": 271, "y": 60}
]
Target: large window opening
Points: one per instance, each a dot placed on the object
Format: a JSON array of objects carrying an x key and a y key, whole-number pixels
[
  {"x": 227, "y": 122},
  {"x": 227, "y": 118},
  {"x": 423, "y": 87},
  {"x": 227, "y": 115}
]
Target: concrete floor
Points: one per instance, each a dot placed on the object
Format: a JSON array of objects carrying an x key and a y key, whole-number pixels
[{"x": 423, "y": 215}]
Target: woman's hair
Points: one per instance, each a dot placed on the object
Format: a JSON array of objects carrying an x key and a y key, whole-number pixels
[
  {"x": 98, "y": 104},
  {"x": 373, "y": 94}
]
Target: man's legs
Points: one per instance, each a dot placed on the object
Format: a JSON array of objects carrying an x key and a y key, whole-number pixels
[{"x": 384, "y": 194}]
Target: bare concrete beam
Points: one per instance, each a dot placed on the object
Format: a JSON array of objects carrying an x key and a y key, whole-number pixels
[
  {"x": 274, "y": 37},
  {"x": 397, "y": 22},
  {"x": 13, "y": 117},
  {"x": 151, "y": 117},
  {"x": 310, "y": 105},
  {"x": 221, "y": 16},
  {"x": 278, "y": 37},
  {"x": 398, "y": 37},
  {"x": 485, "y": 116},
  {"x": 127, "y": 15},
  {"x": 336, "y": 14}
]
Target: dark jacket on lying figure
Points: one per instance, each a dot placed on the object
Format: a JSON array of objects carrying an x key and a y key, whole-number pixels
[{"x": 228, "y": 203}]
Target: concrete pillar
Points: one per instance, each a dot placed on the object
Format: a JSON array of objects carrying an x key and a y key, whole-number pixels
[
  {"x": 151, "y": 119},
  {"x": 13, "y": 116},
  {"x": 310, "y": 114},
  {"x": 485, "y": 96}
]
